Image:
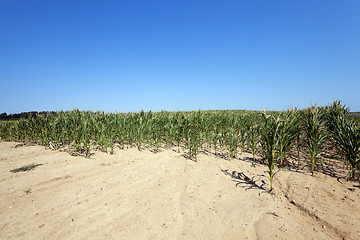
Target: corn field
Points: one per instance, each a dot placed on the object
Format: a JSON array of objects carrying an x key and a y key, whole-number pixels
[{"x": 270, "y": 135}]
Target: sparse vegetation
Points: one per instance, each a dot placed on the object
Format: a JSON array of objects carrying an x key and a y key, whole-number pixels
[{"x": 28, "y": 191}]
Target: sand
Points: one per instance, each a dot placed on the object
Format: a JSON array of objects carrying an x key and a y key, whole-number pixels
[{"x": 141, "y": 195}]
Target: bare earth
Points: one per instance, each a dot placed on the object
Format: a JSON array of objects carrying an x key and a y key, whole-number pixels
[{"x": 141, "y": 195}]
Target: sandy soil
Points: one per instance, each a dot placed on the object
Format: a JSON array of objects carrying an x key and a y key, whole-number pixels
[{"x": 141, "y": 195}]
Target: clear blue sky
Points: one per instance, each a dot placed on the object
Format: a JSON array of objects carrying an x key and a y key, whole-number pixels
[{"x": 178, "y": 55}]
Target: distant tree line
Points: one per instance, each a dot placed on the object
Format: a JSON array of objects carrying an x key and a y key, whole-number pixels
[{"x": 24, "y": 115}]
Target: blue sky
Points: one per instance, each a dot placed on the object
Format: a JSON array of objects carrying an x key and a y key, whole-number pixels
[{"x": 178, "y": 55}]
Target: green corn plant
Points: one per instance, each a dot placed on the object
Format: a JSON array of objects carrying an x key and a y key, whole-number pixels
[
  {"x": 315, "y": 135},
  {"x": 299, "y": 139},
  {"x": 240, "y": 123},
  {"x": 288, "y": 131},
  {"x": 207, "y": 133},
  {"x": 31, "y": 129},
  {"x": 77, "y": 135},
  {"x": 178, "y": 129},
  {"x": 22, "y": 130},
  {"x": 56, "y": 132},
  {"x": 178, "y": 136},
  {"x": 253, "y": 136},
  {"x": 3, "y": 131},
  {"x": 215, "y": 136},
  {"x": 121, "y": 129},
  {"x": 103, "y": 140},
  {"x": 139, "y": 135},
  {"x": 156, "y": 134},
  {"x": 189, "y": 140},
  {"x": 270, "y": 143},
  {"x": 158, "y": 140},
  {"x": 45, "y": 130},
  {"x": 195, "y": 143},
  {"x": 345, "y": 133},
  {"x": 222, "y": 139},
  {"x": 85, "y": 146},
  {"x": 186, "y": 132},
  {"x": 63, "y": 131},
  {"x": 231, "y": 142},
  {"x": 112, "y": 136},
  {"x": 191, "y": 144},
  {"x": 333, "y": 113},
  {"x": 194, "y": 134},
  {"x": 148, "y": 133}
]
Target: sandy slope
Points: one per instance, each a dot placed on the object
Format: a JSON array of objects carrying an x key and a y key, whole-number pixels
[{"x": 142, "y": 195}]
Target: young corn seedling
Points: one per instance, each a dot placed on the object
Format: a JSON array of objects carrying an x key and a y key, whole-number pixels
[
  {"x": 194, "y": 143},
  {"x": 232, "y": 143},
  {"x": 315, "y": 135},
  {"x": 270, "y": 143},
  {"x": 208, "y": 137},
  {"x": 178, "y": 136},
  {"x": 253, "y": 137},
  {"x": 299, "y": 141},
  {"x": 346, "y": 135},
  {"x": 241, "y": 123},
  {"x": 288, "y": 131},
  {"x": 222, "y": 139},
  {"x": 86, "y": 144},
  {"x": 215, "y": 137}
]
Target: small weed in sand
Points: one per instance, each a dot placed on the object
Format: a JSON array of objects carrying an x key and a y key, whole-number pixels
[{"x": 27, "y": 191}]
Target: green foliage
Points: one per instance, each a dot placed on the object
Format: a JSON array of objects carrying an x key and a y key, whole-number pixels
[
  {"x": 252, "y": 135},
  {"x": 270, "y": 139},
  {"x": 315, "y": 134},
  {"x": 355, "y": 116},
  {"x": 232, "y": 139},
  {"x": 288, "y": 132},
  {"x": 345, "y": 132},
  {"x": 226, "y": 132}
]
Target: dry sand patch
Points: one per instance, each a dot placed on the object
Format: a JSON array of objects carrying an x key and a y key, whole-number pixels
[{"x": 141, "y": 195}]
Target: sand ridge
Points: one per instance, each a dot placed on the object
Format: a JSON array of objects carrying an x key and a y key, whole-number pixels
[{"x": 141, "y": 195}]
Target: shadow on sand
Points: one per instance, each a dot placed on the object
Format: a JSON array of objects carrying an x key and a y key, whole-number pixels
[{"x": 244, "y": 181}]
